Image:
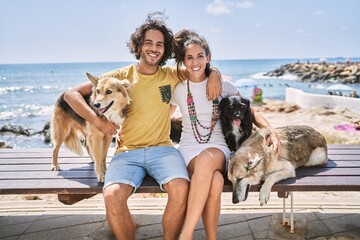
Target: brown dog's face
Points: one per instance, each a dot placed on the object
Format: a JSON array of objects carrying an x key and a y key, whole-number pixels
[
  {"x": 110, "y": 94},
  {"x": 245, "y": 169}
]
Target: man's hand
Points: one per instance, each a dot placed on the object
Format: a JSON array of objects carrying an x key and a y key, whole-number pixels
[
  {"x": 105, "y": 126},
  {"x": 214, "y": 85}
]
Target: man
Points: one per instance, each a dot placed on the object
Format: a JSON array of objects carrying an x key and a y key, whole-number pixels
[{"x": 144, "y": 146}]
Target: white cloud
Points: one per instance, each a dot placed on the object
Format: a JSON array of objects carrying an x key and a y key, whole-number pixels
[
  {"x": 344, "y": 28},
  {"x": 318, "y": 12},
  {"x": 245, "y": 4},
  {"x": 299, "y": 31},
  {"x": 218, "y": 7},
  {"x": 259, "y": 24}
]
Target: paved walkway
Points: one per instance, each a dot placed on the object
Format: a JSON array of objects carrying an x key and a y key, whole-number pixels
[{"x": 318, "y": 215}]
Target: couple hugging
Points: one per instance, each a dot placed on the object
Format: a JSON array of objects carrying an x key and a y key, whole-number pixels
[{"x": 191, "y": 175}]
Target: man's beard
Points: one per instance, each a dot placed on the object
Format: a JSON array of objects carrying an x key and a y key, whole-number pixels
[{"x": 150, "y": 63}]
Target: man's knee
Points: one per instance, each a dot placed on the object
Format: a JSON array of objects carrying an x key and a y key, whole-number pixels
[
  {"x": 117, "y": 193},
  {"x": 178, "y": 188}
]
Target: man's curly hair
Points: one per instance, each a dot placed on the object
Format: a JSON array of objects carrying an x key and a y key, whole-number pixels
[{"x": 154, "y": 21}]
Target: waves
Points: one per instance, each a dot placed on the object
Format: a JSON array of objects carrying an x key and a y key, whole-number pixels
[
  {"x": 25, "y": 89},
  {"x": 28, "y": 91}
]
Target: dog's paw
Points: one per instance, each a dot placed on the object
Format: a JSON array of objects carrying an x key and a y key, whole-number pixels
[
  {"x": 264, "y": 196},
  {"x": 55, "y": 168},
  {"x": 101, "y": 177}
]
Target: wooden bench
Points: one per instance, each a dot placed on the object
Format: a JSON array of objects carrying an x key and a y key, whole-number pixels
[{"x": 27, "y": 171}]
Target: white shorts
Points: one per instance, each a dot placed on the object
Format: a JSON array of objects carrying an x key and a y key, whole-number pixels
[{"x": 189, "y": 152}]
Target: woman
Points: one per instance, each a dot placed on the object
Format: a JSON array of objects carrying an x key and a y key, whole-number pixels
[{"x": 202, "y": 143}]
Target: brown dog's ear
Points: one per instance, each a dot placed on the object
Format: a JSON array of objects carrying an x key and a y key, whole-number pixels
[
  {"x": 127, "y": 84},
  {"x": 254, "y": 163},
  {"x": 92, "y": 79}
]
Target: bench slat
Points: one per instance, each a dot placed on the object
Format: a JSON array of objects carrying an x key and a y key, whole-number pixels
[
  {"x": 27, "y": 171},
  {"x": 77, "y": 160},
  {"x": 91, "y": 186},
  {"x": 90, "y": 173}
]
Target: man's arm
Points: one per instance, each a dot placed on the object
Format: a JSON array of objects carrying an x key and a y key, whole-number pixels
[
  {"x": 214, "y": 84},
  {"x": 75, "y": 98}
]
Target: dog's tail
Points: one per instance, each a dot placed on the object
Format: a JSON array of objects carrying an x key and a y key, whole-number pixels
[{"x": 73, "y": 143}]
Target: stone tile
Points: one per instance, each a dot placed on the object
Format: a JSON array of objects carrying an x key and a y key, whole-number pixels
[
  {"x": 147, "y": 219},
  {"x": 280, "y": 232},
  {"x": 226, "y": 218},
  {"x": 354, "y": 234},
  {"x": 247, "y": 237},
  {"x": 11, "y": 238},
  {"x": 316, "y": 229},
  {"x": 260, "y": 235},
  {"x": 149, "y": 231},
  {"x": 250, "y": 216},
  {"x": 14, "y": 229},
  {"x": 17, "y": 219},
  {"x": 234, "y": 230},
  {"x": 308, "y": 216},
  {"x": 343, "y": 223},
  {"x": 77, "y": 231},
  {"x": 259, "y": 224},
  {"x": 64, "y": 221},
  {"x": 103, "y": 233},
  {"x": 321, "y": 215}
]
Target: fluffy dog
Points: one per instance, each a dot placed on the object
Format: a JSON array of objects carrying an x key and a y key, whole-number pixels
[
  {"x": 255, "y": 161},
  {"x": 236, "y": 120},
  {"x": 109, "y": 99}
]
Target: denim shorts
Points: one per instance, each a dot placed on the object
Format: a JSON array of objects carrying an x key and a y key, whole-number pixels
[{"x": 163, "y": 163}]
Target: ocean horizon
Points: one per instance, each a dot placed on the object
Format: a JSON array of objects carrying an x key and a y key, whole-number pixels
[{"x": 28, "y": 91}]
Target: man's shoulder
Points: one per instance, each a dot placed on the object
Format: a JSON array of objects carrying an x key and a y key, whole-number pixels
[{"x": 120, "y": 72}]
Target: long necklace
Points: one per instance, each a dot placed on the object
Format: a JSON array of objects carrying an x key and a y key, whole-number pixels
[{"x": 195, "y": 123}]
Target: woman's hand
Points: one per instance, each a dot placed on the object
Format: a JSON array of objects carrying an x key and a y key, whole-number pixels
[{"x": 274, "y": 140}]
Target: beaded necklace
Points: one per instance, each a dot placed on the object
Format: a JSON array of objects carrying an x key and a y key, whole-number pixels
[{"x": 194, "y": 120}]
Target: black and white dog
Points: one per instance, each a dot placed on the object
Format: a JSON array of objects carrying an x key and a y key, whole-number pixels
[{"x": 236, "y": 120}]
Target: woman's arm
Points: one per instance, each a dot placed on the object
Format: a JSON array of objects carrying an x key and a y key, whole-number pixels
[{"x": 261, "y": 122}]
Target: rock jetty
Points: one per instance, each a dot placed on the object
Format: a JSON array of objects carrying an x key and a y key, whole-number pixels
[{"x": 321, "y": 72}]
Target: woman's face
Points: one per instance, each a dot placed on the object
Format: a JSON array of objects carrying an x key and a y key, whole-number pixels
[{"x": 195, "y": 62}]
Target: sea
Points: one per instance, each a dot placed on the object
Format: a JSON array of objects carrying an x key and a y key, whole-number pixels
[{"x": 28, "y": 91}]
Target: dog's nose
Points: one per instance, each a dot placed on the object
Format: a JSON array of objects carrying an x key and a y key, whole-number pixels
[
  {"x": 235, "y": 199},
  {"x": 237, "y": 115},
  {"x": 97, "y": 105}
]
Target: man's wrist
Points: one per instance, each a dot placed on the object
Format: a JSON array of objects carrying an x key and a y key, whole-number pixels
[{"x": 216, "y": 71}]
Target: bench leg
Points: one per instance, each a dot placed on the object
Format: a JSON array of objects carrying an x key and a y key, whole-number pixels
[
  {"x": 70, "y": 199},
  {"x": 285, "y": 218}
]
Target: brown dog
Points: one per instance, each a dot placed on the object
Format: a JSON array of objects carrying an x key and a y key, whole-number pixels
[
  {"x": 255, "y": 161},
  {"x": 109, "y": 99}
]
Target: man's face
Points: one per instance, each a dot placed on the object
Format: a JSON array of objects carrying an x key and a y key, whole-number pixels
[{"x": 153, "y": 48}]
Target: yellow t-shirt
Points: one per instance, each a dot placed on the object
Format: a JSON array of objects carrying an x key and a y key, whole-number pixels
[{"x": 148, "y": 117}]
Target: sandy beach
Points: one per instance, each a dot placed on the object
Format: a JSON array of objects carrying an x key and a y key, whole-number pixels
[{"x": 279, "y": 113}]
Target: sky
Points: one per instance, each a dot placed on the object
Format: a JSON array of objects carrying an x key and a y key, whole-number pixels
[{"x": 61, "y": 31}]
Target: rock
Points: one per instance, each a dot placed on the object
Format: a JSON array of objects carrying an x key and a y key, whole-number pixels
[
  {"x": 324, "y": 72},
  {"x": 46, "y": 132},
  {"x": 4, "y": 145}
]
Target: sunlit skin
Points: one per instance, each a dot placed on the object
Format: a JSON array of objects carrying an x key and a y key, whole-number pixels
[
  {"x": 206, "y": 168},
  {"x": 195, "y": 62},
  {"x": 152, "y": 52}
]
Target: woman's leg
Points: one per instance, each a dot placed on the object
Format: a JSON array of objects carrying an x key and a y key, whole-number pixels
[
  {"x": 201, "y": 169},
  {"x": 211, "y": 211}
]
